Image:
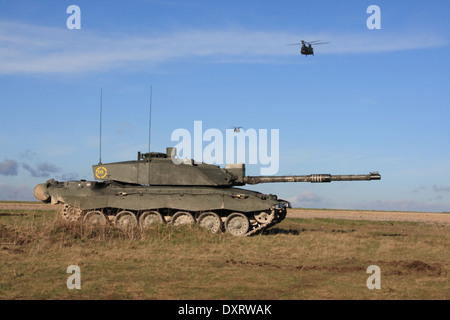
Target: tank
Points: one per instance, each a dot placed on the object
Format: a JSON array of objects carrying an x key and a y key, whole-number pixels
[{"x": 159, "y": 188}]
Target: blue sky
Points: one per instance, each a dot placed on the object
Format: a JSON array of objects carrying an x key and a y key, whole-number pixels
[{"x": 370, "y": 100}]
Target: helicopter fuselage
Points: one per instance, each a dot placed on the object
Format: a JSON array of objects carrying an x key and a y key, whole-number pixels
[{"x": 307, "y": 50}]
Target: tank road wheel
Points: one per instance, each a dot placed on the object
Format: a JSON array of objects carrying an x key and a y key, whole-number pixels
[
  {"x": 210, "y": 221},
  {"x": 150, "y": 218},
  {"x": 125, "y": 220},
  {"x": 181, "y": 218},
  {"x": 95, "y": 218},
  {"x": 71, "y": 214},
  {"x": 237, "y": 224}
]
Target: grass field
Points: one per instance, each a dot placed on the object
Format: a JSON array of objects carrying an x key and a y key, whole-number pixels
[{"x": 296, "y": 259}]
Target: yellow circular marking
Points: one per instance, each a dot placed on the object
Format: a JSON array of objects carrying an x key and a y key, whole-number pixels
[{"x": 101, "y": 172}]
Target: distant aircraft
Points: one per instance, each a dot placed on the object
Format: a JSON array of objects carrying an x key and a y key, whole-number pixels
[{"x": 307, "y": 48}]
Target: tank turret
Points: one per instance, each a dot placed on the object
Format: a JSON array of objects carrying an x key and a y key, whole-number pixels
[
  {"x": 160, "y": 169},
  {"x": 158, "y": 188}
]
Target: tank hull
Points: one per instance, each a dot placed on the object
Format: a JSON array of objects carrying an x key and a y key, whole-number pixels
[
  {"x": 112, "y": 198},
  {"x": 160, "y": 188}
]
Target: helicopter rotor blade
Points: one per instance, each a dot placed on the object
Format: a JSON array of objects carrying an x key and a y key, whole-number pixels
[
  {"x": 315, "y": 42},
  {"x": 294, "y": 44}
]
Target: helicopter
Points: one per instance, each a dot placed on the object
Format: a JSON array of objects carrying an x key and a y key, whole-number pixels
[{"x": 307, "y": 48}]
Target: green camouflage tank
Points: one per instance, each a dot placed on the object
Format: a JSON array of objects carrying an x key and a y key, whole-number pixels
[{"x": 155, "y": 190}]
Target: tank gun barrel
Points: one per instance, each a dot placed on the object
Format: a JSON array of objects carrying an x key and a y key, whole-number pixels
[{"x": 313, "y": 178}]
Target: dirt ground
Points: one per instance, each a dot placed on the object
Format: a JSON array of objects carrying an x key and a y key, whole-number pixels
[
  {"x": 426, "y": 217},
  {"x": 28, "y": 206}
]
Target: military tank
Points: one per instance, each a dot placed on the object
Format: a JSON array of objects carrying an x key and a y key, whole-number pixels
[{"x": 155, "y": 189}]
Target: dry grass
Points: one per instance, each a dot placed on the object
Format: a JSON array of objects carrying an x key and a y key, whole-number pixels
[{"x": 297, "y": 259}]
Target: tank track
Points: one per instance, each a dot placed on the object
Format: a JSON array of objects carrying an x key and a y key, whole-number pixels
[
  {"x": 275, "y": 217},
  {"x": 257, "y": 224}
]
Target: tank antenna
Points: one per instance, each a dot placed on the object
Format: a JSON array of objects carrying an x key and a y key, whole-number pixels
[
  {"x": 150, "y": 120},
  {"x": 101, "y": 105}
]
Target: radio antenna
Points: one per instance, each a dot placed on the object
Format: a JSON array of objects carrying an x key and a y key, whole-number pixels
[
  {"x": 150, "y": 120},
  {"x": 101, "y": 106}
]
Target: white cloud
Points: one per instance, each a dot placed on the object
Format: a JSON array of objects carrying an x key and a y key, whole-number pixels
[
  {"x": 308, "y": 199},
  {"x": 37, "y": 49},
  {"x": 8, "y": 167},
  {"x": 437, "y": 188},
  {"x": 382, "y": 42}
]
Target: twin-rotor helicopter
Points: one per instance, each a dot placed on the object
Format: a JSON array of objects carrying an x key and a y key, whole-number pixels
[{"x": 307, "y": 48}]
